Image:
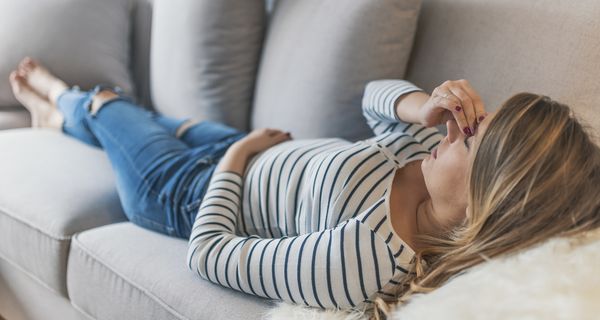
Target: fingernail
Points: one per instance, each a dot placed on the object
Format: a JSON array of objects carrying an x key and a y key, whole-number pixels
[
  {"x": 467, "y": 131},
  {"x": 458, "y": 108},
  {"x": 481, "y": 118}
]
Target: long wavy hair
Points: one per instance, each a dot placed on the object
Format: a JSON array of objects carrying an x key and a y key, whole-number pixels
[{"x": 535, "y": 175}]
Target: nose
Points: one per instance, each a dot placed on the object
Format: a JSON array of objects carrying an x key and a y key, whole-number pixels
[{"x": 453, "y": 130}]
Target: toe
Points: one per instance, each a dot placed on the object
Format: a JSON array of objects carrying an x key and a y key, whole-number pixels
[
  {"x": 28, "y": 64},
  {"x": 14, "y": 81},
  {"x": 12, "y": 76}
]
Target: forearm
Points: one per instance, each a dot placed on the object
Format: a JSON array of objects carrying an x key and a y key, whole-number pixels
[
  {"x": 234, "y": 160},
  {"x": 408, "y": 106}
]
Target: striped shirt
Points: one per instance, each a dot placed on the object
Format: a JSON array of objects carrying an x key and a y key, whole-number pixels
[{"x": 309, "y": 222}]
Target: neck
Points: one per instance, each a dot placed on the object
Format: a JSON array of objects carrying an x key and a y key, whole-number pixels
[{"x": 428, "y": 221}]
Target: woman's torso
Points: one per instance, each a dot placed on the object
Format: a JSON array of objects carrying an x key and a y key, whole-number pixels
[{"x": 303, "y": 186}]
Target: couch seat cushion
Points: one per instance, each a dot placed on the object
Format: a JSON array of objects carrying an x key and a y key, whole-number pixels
[
  {"x": 122, "y": 271},
  {"x": 52, "y": 186}
]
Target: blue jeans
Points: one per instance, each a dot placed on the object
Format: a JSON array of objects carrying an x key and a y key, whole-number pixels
[{"x": 161, "y": 179}]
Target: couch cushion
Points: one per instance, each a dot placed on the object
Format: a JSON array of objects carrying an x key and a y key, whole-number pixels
[
  {"x": 16, "y": 117},
  {"x": 85, "y": 42},
  {"x": 141, "y": 18},
  {"x": 204, "y": 58},
  {"x": 318, "y": 57},
  {"x": 508, "y": 46},
  {"x": 122, "y": 271},
  {"x": 52, "y": 186}
]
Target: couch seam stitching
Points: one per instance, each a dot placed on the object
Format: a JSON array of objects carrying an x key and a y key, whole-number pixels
[{"x": 76, "y": 307}]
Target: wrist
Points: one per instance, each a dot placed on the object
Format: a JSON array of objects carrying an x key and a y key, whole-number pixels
[
  {"x": 240, "y": 151},
  {"x": 408, "y": 106}
]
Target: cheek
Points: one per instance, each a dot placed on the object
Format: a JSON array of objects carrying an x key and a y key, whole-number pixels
[{"x": 445, "y": 174}]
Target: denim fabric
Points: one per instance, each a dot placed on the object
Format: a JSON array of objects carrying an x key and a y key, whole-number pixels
[{"x": 161, "y": 180}]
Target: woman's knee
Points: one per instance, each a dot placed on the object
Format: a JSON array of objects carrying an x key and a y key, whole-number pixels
[{"x": 100, "y": 99}]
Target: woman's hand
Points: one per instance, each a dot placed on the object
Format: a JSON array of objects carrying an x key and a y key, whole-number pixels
[
  {"x": 261, "y": 139},
  {"x": 454, "y": 100}
]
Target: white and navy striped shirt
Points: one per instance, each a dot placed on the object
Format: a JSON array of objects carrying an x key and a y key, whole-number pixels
[{"x": 309, "y": 222}]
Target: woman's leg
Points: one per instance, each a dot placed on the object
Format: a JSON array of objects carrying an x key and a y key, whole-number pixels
[
  {"x": 171, "y": 177},
  {"x": 144, "y": 157},
  {"x": 160, "y": 180},
  {"x": 34, "y": 77},
  {"x": 153, "y": 169},
  {"x": 191, "y": 132}
]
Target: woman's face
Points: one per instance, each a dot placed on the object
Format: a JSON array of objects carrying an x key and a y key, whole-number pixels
[{"x": 445, "y": 170}]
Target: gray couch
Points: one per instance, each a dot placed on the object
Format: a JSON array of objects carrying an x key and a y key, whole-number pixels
[{"x": 67, "y": 251}]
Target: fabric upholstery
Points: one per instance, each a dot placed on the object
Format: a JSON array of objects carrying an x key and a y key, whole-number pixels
[
  {"x": 141, "y": 24},
  {"x": 204, "y": 58},
  {"x": 52, "y": 186},
  {"x": 318, "y": 57},
  {"x": 508, "y": 46},
  {"x": 24, "y": 298},
  {"x": 85, "y": 42},
  {"x": 14, "y": 117},
  {"x": 122, "y": 271}
]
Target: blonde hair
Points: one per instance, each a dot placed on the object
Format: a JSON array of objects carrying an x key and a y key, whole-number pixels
[{"x": 535, "y": 175}]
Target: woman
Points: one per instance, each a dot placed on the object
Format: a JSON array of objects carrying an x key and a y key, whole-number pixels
[
  {"x": 535, "y": 175},
  {"x": 323, "y": 222}
]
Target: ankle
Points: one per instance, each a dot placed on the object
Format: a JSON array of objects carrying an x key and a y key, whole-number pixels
[
  {"x": 56, "y": 90},
  {"x": 56, "y": 120}
]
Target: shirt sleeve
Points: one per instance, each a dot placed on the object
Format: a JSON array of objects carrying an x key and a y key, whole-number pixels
[
  {"x": 341, "y": 267},
  {"x": 378, "y": 107}
]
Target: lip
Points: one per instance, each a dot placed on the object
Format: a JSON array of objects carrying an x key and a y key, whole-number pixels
[{"x": 434, "y": 153}]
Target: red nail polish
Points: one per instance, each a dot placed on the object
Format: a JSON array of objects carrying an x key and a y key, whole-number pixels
[
  {"x": 481, "y": 118},
  {"x": 467, "y": 131},
  {"x": 458, "y": 108}
]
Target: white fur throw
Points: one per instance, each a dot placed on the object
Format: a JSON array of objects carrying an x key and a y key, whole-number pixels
[{"x": 559, "y": 279}]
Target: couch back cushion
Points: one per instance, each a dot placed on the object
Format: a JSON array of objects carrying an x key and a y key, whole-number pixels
[
  {"x": 318, "y": 57},
  {"x": 85, "y": 42},
  {"x": 508, "y": 46},
  {"x": 204, "y": 58},
  {"x": 141, "y": 26}
]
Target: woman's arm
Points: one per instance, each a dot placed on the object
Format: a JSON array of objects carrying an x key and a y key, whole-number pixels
[
  {"x": 237, "y": 155},
  {"x": 339, "y": 267},
  {"x": 389, "y": 105},
  {"x": 408, "y": 106},
  {"x": 234, "y": 160},
  {"x": 389, "y": 101}
]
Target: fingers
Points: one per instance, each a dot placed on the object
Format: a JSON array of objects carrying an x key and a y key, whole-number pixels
[
  {"x": 470, "y": 110},
  {"x": 275, "y": 133},
  {"x": 450, "y": 100},
  {"x": 275, "y": 136},
  {"x": 468, "y": 125},
  {"x": 479, "y": 108}
]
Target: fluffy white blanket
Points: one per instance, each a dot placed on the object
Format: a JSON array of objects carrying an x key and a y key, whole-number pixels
[{"x": 559, "y": 279}]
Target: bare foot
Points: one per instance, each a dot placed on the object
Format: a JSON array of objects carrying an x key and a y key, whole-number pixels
[
  {"x": 41, "y": 80},
  {"x": 43, "y": 113}
]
